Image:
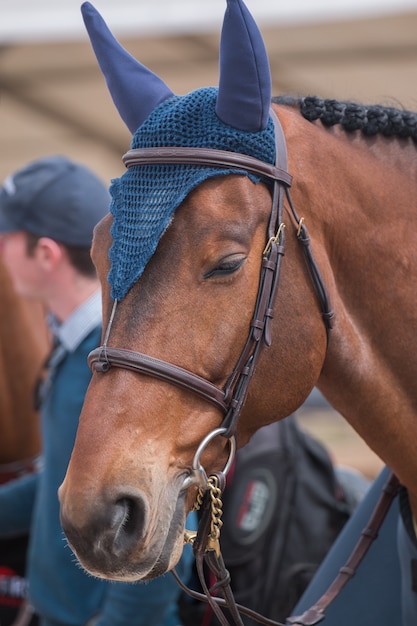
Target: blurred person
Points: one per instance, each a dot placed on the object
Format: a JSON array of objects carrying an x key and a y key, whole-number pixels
[{"x": 48, "y": 210}]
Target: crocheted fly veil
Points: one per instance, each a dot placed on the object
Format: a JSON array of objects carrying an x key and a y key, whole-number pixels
[{"x": 234, "y": 117}]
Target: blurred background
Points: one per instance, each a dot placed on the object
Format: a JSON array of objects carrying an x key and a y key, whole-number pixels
[{"x": 53, "y": 98}]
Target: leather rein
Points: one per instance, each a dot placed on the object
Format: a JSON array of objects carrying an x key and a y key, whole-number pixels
[{"x": 231, "y": 398}]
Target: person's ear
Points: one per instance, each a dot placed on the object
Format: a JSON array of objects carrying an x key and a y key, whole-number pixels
[{"x": 48, "y": 252}]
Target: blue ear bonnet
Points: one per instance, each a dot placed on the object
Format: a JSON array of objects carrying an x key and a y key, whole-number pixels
[{"x": 145, "y": 197}]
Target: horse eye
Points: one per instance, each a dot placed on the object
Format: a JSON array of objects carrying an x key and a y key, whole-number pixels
[{"x": 226, "y": 267}]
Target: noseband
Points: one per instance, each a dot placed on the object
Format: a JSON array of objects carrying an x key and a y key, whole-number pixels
[{"x": 231, "y": 398}]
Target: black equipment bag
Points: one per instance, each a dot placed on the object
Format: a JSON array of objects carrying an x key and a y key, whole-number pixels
[{"x": 282, "y": 509}]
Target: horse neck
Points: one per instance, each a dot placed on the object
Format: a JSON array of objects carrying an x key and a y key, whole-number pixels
[
  {"x": 347, "y": 181},
  {"x": 23, "y": 345},
  {"x": 358, "y": 198},
  {"x": 396, "y": 154}
]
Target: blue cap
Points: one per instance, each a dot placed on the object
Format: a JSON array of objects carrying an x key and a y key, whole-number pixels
[{"x": 54, "y": 197}]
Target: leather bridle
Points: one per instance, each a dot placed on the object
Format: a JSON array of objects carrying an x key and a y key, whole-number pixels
[{"x": 231, "y": 398}]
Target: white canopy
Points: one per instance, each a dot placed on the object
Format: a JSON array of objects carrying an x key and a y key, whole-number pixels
[{"x": 56, "y": 20}]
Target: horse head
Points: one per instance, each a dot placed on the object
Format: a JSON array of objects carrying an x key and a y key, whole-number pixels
[{"x": 180, "y": 258}]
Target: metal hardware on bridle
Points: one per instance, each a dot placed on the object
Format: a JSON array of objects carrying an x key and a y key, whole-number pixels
[
  {"x": 206, "y": 548},
  {"x": 212, "y": 487},
  {"x": 197, "y": 470}
]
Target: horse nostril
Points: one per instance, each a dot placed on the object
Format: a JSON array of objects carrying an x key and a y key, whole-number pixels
[
  {"x": 128, "y": 522},
  {"x": 129, "y": 515}
]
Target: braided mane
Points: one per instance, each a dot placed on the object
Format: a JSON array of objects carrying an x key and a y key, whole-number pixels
[{"x": 370, "y": 120}]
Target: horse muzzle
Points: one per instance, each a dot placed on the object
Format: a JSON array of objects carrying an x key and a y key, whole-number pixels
[{"x": 116, "y": 538}]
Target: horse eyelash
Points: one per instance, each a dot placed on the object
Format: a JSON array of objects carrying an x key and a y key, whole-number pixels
[{"x": 219, "y": 271}]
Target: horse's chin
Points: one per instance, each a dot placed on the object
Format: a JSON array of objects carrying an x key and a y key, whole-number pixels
[{"x": 133, "y": 572}]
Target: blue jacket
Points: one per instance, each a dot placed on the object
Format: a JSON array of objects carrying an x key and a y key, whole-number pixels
[{"x": 60, "y": 591}]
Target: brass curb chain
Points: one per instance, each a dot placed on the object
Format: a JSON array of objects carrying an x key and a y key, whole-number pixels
[{"x": 216, "y": 514}]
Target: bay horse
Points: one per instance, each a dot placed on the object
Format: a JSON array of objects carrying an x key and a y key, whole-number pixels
[
  {"x": 200, "y": 294},
  {"x": 24, "y": 342}
]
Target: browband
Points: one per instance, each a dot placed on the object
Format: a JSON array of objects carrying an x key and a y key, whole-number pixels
[{"x": 205, "y": 156}]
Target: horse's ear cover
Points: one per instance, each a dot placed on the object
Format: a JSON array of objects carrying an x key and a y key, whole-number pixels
[
  {"x": 245, "y": 81},
  {"x": 136, "y": 91},
  {"x": 244, "y": 96},
  {"x": 234, "y": 117}
]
